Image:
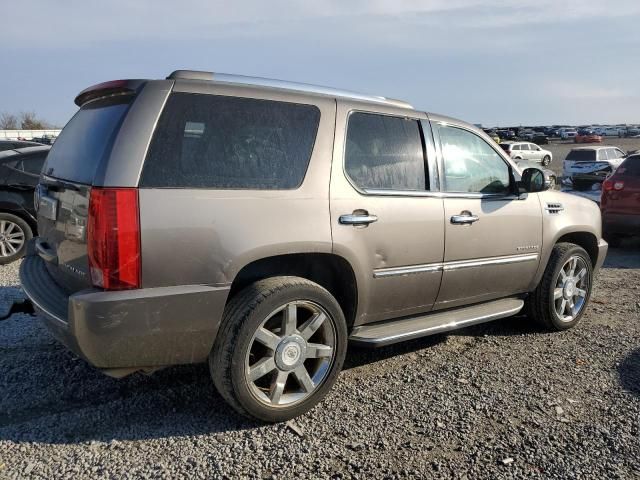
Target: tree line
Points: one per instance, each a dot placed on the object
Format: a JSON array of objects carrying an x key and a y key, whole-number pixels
[{"x": 23, "y": 121}]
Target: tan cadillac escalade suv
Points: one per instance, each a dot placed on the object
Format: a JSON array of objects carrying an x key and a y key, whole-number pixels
[{"x": 261, "y": 225}]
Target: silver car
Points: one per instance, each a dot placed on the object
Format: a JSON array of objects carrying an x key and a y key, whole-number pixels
[
  {"x": 260, "y": 225},
  {"x": 527, "y": 151}
]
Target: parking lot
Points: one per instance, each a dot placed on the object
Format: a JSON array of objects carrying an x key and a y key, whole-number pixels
[{"x": 493, "y": 401}]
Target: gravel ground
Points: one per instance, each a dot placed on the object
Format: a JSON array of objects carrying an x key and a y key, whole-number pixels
[{"x": 499, "y": 400}]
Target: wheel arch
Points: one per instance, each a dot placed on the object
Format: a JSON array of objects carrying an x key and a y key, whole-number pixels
[{"x": 328, "y": 270}]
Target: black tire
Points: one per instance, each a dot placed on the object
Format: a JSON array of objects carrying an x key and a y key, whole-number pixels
[
  {"x": 546, "y": 160},
  {"x": 244, "y": 314},
  {"x": 6, "y": 255},
  {"x": 541, "y": 306}
]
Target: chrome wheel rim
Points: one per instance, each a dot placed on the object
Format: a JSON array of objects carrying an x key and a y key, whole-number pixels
[
  {"x": 572, "y": 286},
  {"x": 11, "y": 238},
  {"x": 290, "y": 354}
]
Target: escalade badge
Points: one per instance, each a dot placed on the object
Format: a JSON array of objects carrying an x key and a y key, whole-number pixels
[{"x": 527, "y": 247}]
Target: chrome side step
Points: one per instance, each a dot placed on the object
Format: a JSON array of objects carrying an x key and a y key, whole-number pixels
[{"x": 394, "y": 331}]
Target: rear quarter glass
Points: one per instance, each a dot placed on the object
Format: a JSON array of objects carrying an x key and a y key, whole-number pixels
[
  {"x": 86, "y": 141},
  {"x": 225, "y": 142}
]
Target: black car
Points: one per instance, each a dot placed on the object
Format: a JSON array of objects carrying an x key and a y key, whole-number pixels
[
  {"x": 540, "y": 139},
  {"x": 13, "y": 144},
  {"x": 19, "y": 173}
]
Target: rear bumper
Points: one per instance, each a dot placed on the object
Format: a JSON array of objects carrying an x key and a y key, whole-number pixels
[
  {"x": 621, "y": 223},
  {"x": 148, "y": 327}
]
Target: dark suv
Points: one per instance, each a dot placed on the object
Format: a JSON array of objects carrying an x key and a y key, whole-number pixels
[
  {"x": 260, "y": 225},
  {"x": 19, "y": 172}
]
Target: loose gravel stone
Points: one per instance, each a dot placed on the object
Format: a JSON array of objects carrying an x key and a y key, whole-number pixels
[{"x": 533, "y": 404}]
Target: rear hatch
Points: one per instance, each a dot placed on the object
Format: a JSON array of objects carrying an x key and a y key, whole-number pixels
[{"x": 63, "y": 194}]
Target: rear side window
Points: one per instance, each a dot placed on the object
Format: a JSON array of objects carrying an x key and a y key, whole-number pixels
[
  {"x": 630, "y": 167},
  {"x": 86, "y": 140},
  {"x": 582, "y": 156},
  {"x": 603, "y": 154},
  {"x": 211, "y": 141},
  {"x": 385, "y": 153}
]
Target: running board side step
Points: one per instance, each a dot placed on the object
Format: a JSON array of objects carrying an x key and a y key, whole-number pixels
[{"x": 394, "y": 331}]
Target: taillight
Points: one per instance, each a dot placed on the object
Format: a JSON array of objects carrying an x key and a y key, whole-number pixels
[
  {"x": 610, "y": 184},
  {"x": 113, "y": 238}
]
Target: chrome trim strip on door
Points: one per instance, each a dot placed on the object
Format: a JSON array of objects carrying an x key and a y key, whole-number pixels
[
  {"x": 454, "y": 265},
  {"x": 392, "y": 272},
  {"x": 481, "y": 262}
]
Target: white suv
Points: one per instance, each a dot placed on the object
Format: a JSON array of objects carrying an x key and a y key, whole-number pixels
[
  {"x": 568, "y": 133},
  {"x": 527, "y": 151}
]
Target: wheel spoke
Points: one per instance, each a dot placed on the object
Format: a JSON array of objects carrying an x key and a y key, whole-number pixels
[
  {"x": 11, "y": 248},
  {"x": 304, "y": 379},
  {"x": 317, "y": 350},
  {"x": 557, "y": 293},
  {"x": 267, "y": 338},
  {"x": 574, "y": 264},
  {"x": 563, "y": 274},
  {"x": 290, "y": 319},
  {"x": 3, "y": 249},
  {"x": 581, "y": 293},
  {"x": 17, "y": 234},
  {"x": 311, "y": 325},
  {"x": 261, "y": 368},
  {"x": 277, "y": 388},
  {"x": 3, "y": 226},
  {"x": 10, "y": 228},
  {"x": 563, "y": 306},
  {"x": 580, "y": 275}
]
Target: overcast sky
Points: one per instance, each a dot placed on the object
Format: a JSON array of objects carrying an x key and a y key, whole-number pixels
[{"x": 485, "y": 61}]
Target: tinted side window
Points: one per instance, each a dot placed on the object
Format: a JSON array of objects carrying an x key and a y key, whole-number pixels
[
  {"x": 470, "y": 164},
  {"x": 602, "y": 154},
  {"x": 516, "y": 147},
  {"x": 211, "y": 141},
  {"x": 384, "y": 152}
]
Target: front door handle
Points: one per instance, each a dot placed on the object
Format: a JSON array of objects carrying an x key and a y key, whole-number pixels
[
  {"x": 465, "y": 218},
  {"x": 357, "y": 218}
]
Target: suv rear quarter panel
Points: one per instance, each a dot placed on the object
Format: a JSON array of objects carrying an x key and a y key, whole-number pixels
[{"x": 206, "y": 236}]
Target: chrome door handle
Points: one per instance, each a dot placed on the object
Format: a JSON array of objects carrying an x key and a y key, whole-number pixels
[
  {"x": 357, "y": 219},
  {"x": 464, "y": 219}
]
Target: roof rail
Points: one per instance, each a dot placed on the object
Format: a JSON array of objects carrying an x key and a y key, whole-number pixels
[{"x": 272, "y": 83}]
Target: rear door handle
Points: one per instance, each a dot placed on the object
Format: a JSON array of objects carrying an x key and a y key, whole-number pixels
[
  {"x": 464, "y": 219},
  {"x": 357, "y": 219}
]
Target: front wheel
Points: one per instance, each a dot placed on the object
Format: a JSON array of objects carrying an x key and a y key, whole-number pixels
[
  {"x": 280, "y": 347},
  {"x": 560, "y": 299}
]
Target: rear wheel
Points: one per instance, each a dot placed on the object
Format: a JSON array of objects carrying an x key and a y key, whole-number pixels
[
  {"x": 280, "y": 347},
  {"x": 560, "y": 299},
  {"x": 14, "y": 235}
]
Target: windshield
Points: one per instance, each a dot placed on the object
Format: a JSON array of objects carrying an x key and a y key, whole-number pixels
[{"x": 86, "y": 140}]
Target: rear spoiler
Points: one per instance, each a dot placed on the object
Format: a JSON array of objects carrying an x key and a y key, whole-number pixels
[{"x": 105, "y": 89}]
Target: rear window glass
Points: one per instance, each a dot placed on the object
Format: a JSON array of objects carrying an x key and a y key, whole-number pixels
[
  {"x": 582, "y": 156},
  {"x": 630, "y": 167},
  {"x": 211, "y": 141},
  {"x": 86, "y": 140}
]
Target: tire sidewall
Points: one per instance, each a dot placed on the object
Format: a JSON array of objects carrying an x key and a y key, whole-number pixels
[
  {"x": 559, "y": 324},
  {"x": 28, "y": 235},
  {"x": 288, "y": 294}
]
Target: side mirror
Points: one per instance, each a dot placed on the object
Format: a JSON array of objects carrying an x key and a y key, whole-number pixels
[{"x": 534, "y": 180}]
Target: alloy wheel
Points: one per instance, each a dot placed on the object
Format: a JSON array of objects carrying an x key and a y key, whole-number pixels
[
  {"x": 290, "y": 354},
  {"x": 572, "y": 286},
  {"x": 12, "y": 238}
]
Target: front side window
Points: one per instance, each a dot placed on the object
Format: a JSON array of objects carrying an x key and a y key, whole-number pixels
[
  {"x": 470, "y": 164},
  {"x": 385, "y": 153},
  {"x": 211, "y": 141}
]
